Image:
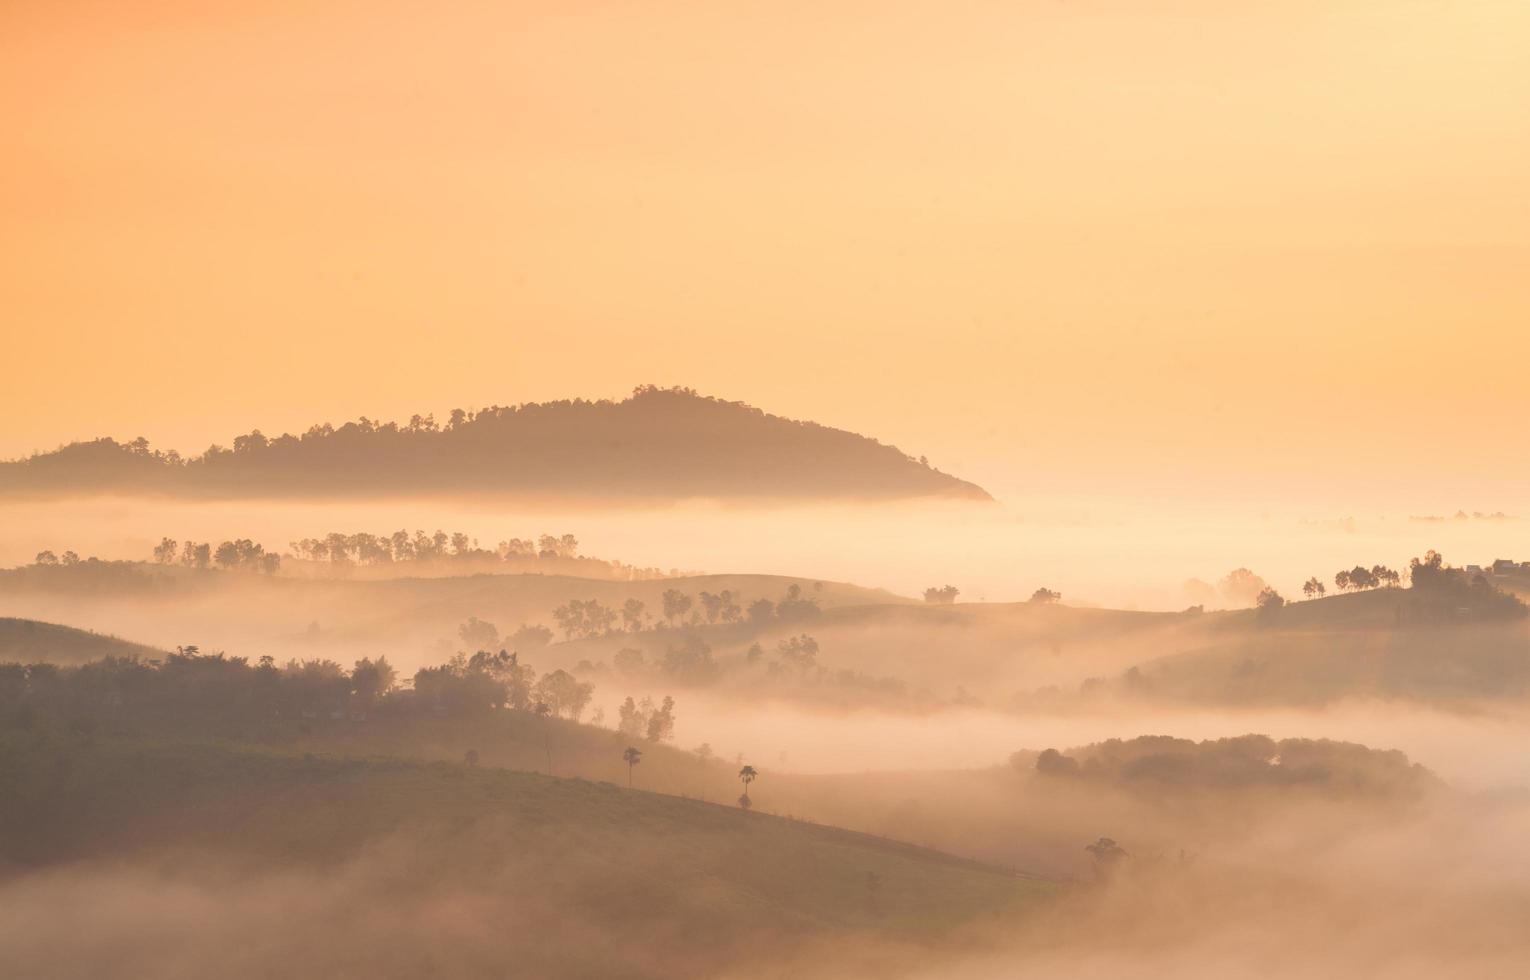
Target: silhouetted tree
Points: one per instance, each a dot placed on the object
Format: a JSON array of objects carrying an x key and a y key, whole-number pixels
[
  {"x": 661, "y": 724},
  {"x": 632, "y": 615},
  {"x": 1107, "y": 856},
  {"x": 632, "y": 757},
  {"x": 629, "y": 661},
  {"x": 478, "y": 634},
  {"x": 1313, "y": 589},
  {"x": 941, "y": 596},
  {"x": 531, "y": 637},
  {"x": 165, "y": 551},
  {"x": 1045, "y": 595},
  {"x": 1269, "y": 602},
  {"x": 676, "y": 604},
  {"x": 746, "y": 776},
  {"x": 1242, "y": 586},
  {"x": 1053, "y": 763},
  {"x": 46, "y": 558},
  {"x": 564, "y": 694}
]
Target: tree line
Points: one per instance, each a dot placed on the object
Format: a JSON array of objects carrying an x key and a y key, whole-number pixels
[
  {"x": 213, "y": 692},
  {"x": 589, "y": 618}
]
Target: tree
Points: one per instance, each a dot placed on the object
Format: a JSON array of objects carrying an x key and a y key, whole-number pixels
[
  {"x": 1341, "y": 580},
  {"x": 1313, "y": 589},
  {"x": 563, "y": 694},
  {"x": 226, "y": 555},
  {"x": 632, "y": 757},
  {"x": 46, "y": 558},
  {"x": 632, "y": 615},
  {"x": 1269, "y": 602},
  {"x": 690, "y": 662},
  {"x": 794, "y": 605},
  {"x": 165, "y": 551},
  {"x": 1242, "y": 586},
  {"x": 1107, "y": 855},
  {"x": 676, "y": 604},
  {"x": 478, "y": 635},
  {"x": 195, "y": 555},
  {"x": 942, "y": 596},
  {"x": 798, "y": 651},
  {"x": 761, "y": 611},
  {"x": 69, "y": 558},
  {"x": 371, "y": 680},
  {"x": 1427, "y": 572},
  {"x": 1053, "y": 763},
  {"x": 746, "y": 776},
  {"x": 629, "y": 661},
  {"x": 1046, "y": 596},
  {"x": 661, "y": 724},
  {"x": 631, "y": 720}
]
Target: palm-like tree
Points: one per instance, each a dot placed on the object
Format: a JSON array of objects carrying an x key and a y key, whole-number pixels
[
  {"x": 746, "y": 776},
  {"x": 632, "y": 757}
]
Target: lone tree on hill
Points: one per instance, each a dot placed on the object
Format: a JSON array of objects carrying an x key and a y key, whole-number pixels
[
  {"x": 746, "y": 776},
  {"x": 941, "y": 597},
  {"x": 632, "y": 757},
  {"x": 1046, "y": 596},
  {"x": 1269, "y": 602},
  {"x": 1107, "y": 855}
]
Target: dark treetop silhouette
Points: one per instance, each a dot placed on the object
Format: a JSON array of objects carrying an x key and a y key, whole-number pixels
[{"x": 659, "y": 443}]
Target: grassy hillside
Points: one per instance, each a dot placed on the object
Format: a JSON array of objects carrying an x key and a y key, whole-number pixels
[
  {"x": 28, "y": 641},
  {"x": 647, "y": 879}
]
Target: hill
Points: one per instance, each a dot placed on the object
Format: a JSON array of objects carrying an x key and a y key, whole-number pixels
[
  {"x": 659, "y": 444},
  {"x": 27, "y": 641},
  {"x": 389, "y": 868}
]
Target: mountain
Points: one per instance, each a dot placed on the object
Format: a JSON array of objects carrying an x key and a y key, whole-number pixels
[{"x": 657, "y": 444}]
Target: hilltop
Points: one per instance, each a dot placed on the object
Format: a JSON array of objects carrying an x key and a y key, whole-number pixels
[{"x": 658, "y": 444}]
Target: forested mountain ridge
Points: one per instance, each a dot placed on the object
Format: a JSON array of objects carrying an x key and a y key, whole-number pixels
[{"x": 657, "y": 444}]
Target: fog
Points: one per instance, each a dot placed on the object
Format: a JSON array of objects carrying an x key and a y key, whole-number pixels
[
  {"x": 1117, "y": 552},
  {"x": 1440, "y": 895},
  {"x": 407, "y": 835},
  {"x": 1467, "y": 749}
]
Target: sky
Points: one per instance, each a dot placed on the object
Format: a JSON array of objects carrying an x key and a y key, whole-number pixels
[{"x": 1133, "y": 246}]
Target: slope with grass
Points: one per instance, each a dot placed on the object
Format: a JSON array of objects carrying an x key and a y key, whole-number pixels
[
  {"x": 640, "y": 879},
  {"x": 28, "y": 641}
]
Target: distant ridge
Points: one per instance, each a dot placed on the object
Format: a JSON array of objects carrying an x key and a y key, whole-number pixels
[{"x": 661, "y": 443}]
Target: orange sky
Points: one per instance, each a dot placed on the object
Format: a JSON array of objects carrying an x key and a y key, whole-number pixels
[{"x": 1038, "y": 241}]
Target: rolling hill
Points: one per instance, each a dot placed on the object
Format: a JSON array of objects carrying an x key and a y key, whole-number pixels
[
  {"x": 659, "y": 444},
  {"x": 563, "y": 877},
  {"x": 27, "y": 641}
]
